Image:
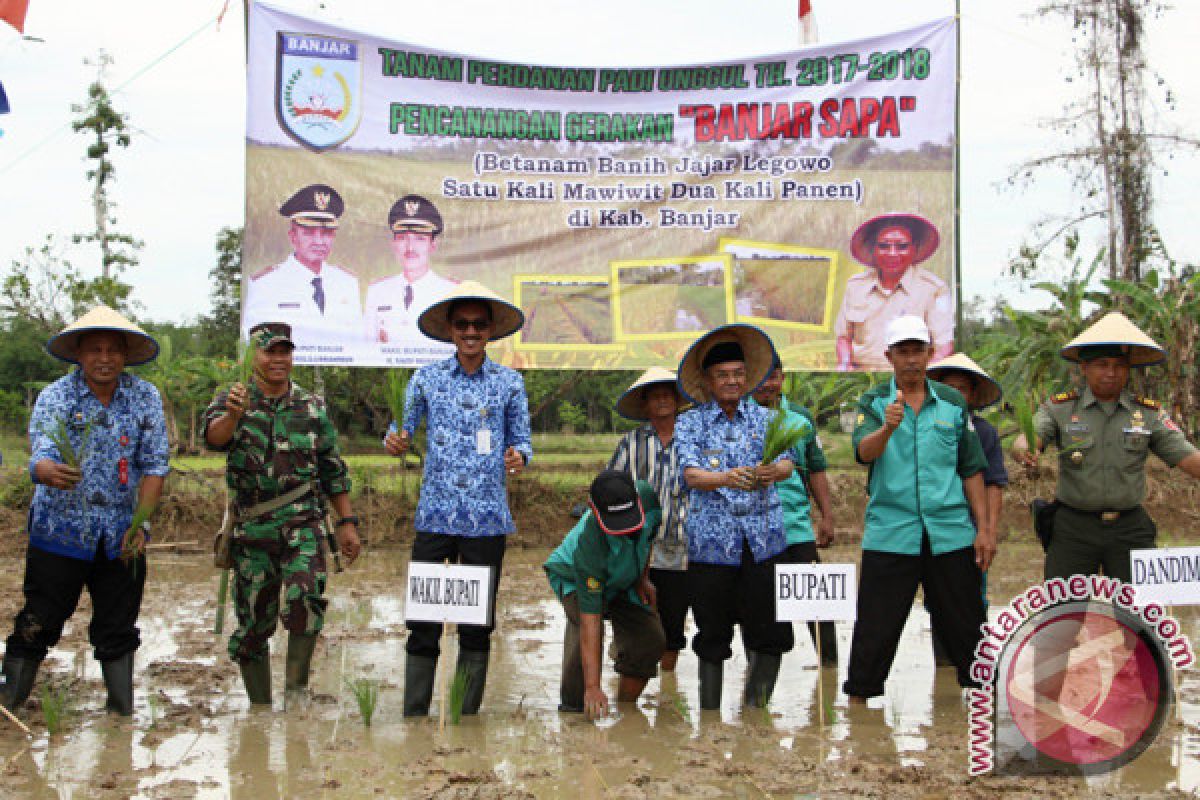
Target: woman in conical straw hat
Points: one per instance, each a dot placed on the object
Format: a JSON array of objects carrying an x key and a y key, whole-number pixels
[
  {"x": 734, "y": 527},
  {"x": 646, "y": 454},
  {"x": 1103, "y": 434},
  {"x": 477, "y": 422},
  {"x": 98, "y": 450}
]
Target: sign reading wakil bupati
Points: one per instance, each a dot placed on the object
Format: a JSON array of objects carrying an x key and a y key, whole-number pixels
[
  {"x": 448, "y": 593},
  {"x": 625, "y": 210},
  {"x": 806, "y": 592},
  {"x": 1168, "y": 576}
]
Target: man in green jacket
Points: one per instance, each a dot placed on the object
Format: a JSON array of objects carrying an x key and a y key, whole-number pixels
[
  {"x": 600, "y": 571},
  {"x": 808, "y": 480}
]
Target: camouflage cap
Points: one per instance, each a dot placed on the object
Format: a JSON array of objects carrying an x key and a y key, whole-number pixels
[
  {"x": 414, "y": 213},
  {"x": 264, "y": 335},
  {"x": 314, "y": 206}
]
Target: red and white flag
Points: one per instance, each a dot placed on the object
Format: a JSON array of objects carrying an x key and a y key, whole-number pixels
[
  {"x": 13, "y": 12},
  {"x": 808, "y": 22}
]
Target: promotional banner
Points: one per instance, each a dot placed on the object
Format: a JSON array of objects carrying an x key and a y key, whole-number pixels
[{"x": 625, "y": 209}]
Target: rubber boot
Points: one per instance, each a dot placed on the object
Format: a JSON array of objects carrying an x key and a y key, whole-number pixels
[
  {"x": 418, "y": 685},
  {"x": 300, "y": 648},
  {"x": 475, "y": 665},
  {"x": 711, "y": 674},
  {"x": 118, "y": 679},
  {"x": 760, "y": 678},
  {"x": 18, "y": 681},
  {"x": 256, "y": 675}
]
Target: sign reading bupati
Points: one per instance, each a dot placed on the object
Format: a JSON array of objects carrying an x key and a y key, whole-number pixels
[
  {"x": 808, "y": 592},
  {"x": 448, "y": 593},
  {"x": 1169, "y": 576},
  {"x": 626, "y": 210}
]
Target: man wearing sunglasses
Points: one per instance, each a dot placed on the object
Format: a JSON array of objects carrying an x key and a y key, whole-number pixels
[{"x": 477, "y": 429}]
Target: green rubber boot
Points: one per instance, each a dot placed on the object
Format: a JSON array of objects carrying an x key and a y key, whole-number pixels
[
  {"x": 418, "y": 684},
  {"x": 711, "y": 674},
  {"x": 760, "y": 678},
  {"x": 475, "y": 665},
  {"x": 118, "y": 679},
  {"x": 256, "y": 675},
  {"x": 299, "y": 662},
  {"x": 18, "y": 681}
]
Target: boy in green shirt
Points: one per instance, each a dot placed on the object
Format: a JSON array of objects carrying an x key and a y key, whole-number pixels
[{"x": 600, "y": 571}]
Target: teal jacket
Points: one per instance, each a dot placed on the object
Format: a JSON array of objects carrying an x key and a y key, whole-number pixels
[{"x": 915, "y": 486}]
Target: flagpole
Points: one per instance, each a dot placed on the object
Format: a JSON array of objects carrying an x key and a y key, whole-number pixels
[{"x": 958, "y": 173}]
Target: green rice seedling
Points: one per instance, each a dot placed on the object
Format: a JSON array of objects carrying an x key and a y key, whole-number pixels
[
  {"x": 780, "y": 436},
  {"x": 154, "y": 704},
  {"x": 458, "y": 694},
  {"x": 222, "y": 599},
  {"x": 1024, "y": 414},
  {"x": 245, "y": 370},
  {"x": 60, "y": 435},
  {"x": 57, "y": 703},
  {"x": 679, "y": 703},
  {"x": 133, "y": 543},
  {"x": 366, "y": 695}
]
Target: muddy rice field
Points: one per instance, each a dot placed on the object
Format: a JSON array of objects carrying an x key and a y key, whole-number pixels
[{"x": 193, "y": 734}]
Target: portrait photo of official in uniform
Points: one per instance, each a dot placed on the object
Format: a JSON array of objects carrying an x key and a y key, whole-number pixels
[
  {"x": 394, "y": 303},
  {"x": 320, "y": 301},
  {"x": 892, "y": 246}
]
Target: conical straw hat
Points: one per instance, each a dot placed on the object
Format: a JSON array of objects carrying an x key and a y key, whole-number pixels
[
  {"x": 1114, "y": 328},
  {"x": 987, "y": 391},
  {"x": 632, "y": 402},
  {"x": 925, "y": 236},
  {"x": 141, "y": 348},
  {"x": 507, "y": 319},
  {"x": 756, "y": 345}
]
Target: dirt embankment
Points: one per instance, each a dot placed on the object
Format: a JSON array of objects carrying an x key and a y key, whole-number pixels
[{"x": 386, "y": 500}]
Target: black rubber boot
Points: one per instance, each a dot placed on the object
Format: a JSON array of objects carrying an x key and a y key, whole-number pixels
[
  {"x": 418, "y": 684},
  {"x": 299, "y": 662},
  {"x": 475, "y": 665},
  {"x": 711, "y": 674},
  {"x": 18, "y": 681},
  {"x": 256, "y": 675},
  {"x": 760, "y": 678},
  {"x": 118, "y": 679}
]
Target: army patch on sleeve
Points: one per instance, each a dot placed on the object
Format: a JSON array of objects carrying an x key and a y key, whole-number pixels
[{"x": 593, "y": 585}]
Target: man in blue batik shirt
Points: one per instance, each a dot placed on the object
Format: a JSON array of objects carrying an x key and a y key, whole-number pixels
[
  {"x": 477, "y": 429},
  {"x": 734, "y": 524},
  {"x": 82, "y": 511}
]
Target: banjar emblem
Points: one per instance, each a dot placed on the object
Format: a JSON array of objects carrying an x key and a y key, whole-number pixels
[{"x": 318, "y": 88}]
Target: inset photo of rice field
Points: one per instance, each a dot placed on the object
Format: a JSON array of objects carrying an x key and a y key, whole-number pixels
[
  {"x": 671, "y": 298},
  {"x": 783, "y": 285},
  {"x": 565, "y": 312}
]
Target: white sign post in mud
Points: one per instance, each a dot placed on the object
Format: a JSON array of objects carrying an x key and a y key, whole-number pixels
[
  {"x": 816, "y": 593},
  {"x": 452, "y": 594},
  {"x": 1169, "y": 576}
]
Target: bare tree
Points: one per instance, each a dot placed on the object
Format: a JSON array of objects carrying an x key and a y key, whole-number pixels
[{"x": 1116, "y": 150}]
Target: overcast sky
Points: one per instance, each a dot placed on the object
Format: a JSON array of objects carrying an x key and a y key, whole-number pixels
[{"x": 182, "y": 179}]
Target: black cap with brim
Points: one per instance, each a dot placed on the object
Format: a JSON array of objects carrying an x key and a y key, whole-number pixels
[{"x": 615, "y": 504}]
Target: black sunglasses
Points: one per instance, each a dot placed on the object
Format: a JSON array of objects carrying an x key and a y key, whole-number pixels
[{"x": 463, "y": 324}]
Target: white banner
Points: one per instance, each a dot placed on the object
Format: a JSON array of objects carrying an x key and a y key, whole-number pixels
[
  {"x": 1168, "y": 576},
  {"x": 448, "y": 593},
  {"x": 625, "y": 209},
  {"x": 806, "y": 592}
]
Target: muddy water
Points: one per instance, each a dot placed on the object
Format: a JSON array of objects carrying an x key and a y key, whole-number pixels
[{"x": 193, "y": 735}]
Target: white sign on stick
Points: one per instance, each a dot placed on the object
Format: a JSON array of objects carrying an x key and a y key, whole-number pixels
[
  {"x": 1168, "y": 576},
  {"x": 448, "y": 593},
  {"x": 806, "y": 592}
]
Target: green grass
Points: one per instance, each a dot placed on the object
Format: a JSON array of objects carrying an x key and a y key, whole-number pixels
[{"x": 366, "y": 696}]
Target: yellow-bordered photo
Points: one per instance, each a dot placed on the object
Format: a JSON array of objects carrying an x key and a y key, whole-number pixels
[
  {"x": 782, "y": 285},
  {"x": 572, "y": 313},
  {"x": 671, "y": 298}
]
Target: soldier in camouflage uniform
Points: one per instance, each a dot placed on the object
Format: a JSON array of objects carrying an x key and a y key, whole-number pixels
[
  {"x": 283, "y": 456},
  {"x": 1103, "y": 434}
]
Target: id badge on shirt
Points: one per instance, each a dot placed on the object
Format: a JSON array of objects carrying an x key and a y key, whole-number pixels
[{"x": 483, "y": 441}]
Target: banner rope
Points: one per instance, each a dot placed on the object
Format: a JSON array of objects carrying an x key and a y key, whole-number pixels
[{"x": 66, "y": 126}]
